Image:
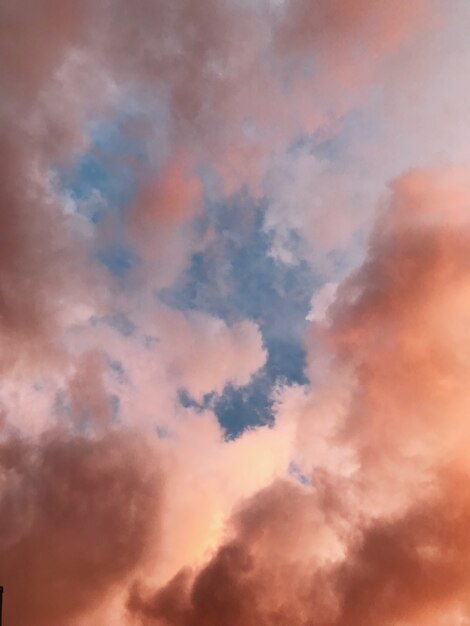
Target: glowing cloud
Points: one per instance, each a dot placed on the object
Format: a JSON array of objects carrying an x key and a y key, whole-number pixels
[{"x": 218, "y": 213}]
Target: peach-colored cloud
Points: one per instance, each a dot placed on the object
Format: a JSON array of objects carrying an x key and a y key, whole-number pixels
[
  {"x": 34, "y": 38},
  {"x": 400, "y": 319},
  {"x": 315, "y": 197},
  {"x": 235, "y": 107},
  {"x": 173, "y": 196},
  {"x": 168, "y": 351},
  {"x": 160, "y": 221},
  {"x": 204, "y": 354},
  {"x": 76, "y": 514},
  {"x": 411, "y": 570},
  {"x": 90, "y": 405},
  {"x": 377, "y": 532},
  {"x": 384, "y": 541}
]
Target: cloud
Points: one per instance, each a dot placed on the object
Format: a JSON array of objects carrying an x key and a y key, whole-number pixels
[
  {"x": 320, "y": 302},
  {"x": 411, "y": 569},
  {"x": 204, "y": 354},
  {"x": 48, "y": 32},
  {"x": 399, "y": 321},
  {"x": 160, "y": 221},
  {"x": 312, "y": 196},
  {"x": 336, "y": 29},
  {"x": 220, "y": 101},
  {"x": 42, "y": 245},
  {"x": 386, "y": 541},
  {"x": 76, "y": 516},
  {"x": 120, "y": 504}
]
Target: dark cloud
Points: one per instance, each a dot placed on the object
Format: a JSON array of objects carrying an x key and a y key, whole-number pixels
[
  {"x": 408, "y": 570},
  {"x": 76, "y": 516}
]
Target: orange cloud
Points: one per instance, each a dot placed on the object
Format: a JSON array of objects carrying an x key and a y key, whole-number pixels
[
  {"x": 378, "y": 532},
  {"x": 76, "y": 516},
  {"x": 387, "y": 542}
]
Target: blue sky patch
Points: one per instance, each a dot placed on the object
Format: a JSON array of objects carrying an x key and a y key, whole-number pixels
[{"x": 235, "y": 278}]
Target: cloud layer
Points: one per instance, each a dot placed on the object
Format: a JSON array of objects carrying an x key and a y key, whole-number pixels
[
  {"x": 387, "y": 542},
  {"x": 249, "y": 208}
]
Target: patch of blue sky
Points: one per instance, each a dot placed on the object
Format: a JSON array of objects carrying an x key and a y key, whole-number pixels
[
  {"x": 163, "y": 433},
  {"x": 103, "y": 181},
  {"x": 106, "y": 172},
  {"x": 117, "y": 258},
  {"x": 238, "y": 408},
  {"x": 354, "y": 127},
  {"x": 246, "y": 407},
  {"x": 296, "y": 473},
  {"x": 116, "y": 369},
  {"x": 235, "y": 278},
  {"x": 84, "y": 419},
  {"x": 120, "y": 322},
  {"x": 115, "y": 403}
]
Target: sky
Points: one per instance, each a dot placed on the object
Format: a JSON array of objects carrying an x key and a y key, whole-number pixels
[{"x": 235, "y": 312}]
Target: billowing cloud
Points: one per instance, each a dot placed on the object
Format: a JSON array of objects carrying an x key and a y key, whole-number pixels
[
  {"x": 205, "y": 354},
  {"x": 43, "y": 265},
  {"x": 221, "y": 102},
  {"x": 386, "y": 542},
  {"x": 76, "y": 516},
  {"x": 411, "y": 569},
  {"x": 132, "y": 136}
]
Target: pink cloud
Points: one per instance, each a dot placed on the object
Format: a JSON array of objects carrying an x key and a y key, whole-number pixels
[
  {"x": 204, "y": 354},
  {"x": 76, "y": 516},
  {"x": 386, "y": 541},
  {"x": 158, "y": 519}
]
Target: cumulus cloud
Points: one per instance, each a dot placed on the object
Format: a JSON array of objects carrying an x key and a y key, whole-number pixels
[
  {"x": 119, "y": 502},
  {"x": 411, "y": 569},
  {"x": 385, "y": 542},
  {"x": 205, "y": 354},
  {"x": 76, "y": 516},
  {"x": 188, "y": 58}
]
